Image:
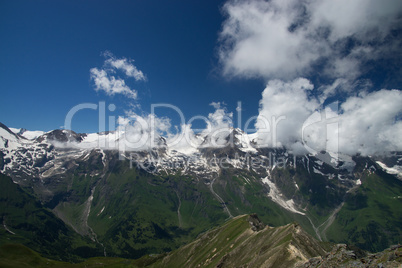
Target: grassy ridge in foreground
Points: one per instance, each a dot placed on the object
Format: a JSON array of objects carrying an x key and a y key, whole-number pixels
[
  {"x": 242, "y": 240},
  {"x": 245, "y": 241}
]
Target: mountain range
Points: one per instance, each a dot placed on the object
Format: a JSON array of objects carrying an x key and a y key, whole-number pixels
[{"x": 71, "y": 196}]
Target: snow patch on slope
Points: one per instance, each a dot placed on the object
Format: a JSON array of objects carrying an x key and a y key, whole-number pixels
[
  {"x": 8, "y": 140},
  {"x": 277, "y": 197},
  {"x": 101, "y": 211},
  {"x": 101, "y": 140},
  {"x": 30, "y": 135},
  {"x": 395, "y": 170},
  {"x": 245, "y": 142}
]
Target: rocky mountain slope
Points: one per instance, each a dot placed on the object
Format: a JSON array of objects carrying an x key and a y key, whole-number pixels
[
  {"x": 132, "y": 203},
  {"x": 343, "y": 255}
]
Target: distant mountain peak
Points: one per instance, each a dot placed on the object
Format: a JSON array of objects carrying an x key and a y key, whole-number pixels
[{"x": 61, "y": 135}]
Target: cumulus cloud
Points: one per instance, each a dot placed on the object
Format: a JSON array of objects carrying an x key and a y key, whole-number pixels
[
  {"x": 125, "y": 65},
  {"x": 110, "y": 84},
  {"x": 283, "y": 109},
  {"x": 287, "y": 39},
  {"x": 186, "y": 141},
  {"x": 219, "y": 125},
  {"x": 140, "y": 133},
  {"x": 368, "y": 123},
  {"x": 105, "y": 79},
  {"x": 215, "y": 135},
  {"x": 371, "y": 123},
  {"x": 146, "y": 132}
]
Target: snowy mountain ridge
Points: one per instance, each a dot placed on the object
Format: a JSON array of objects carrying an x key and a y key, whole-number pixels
[
  {"x": 67, "y": 171},
  {"x": 54, "y": 153},
  {"x": 38, "y": 152}
]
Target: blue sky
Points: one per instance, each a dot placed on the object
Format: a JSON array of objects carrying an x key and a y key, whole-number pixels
[
  {"x": 279, "y": 58},
  {"x": 48, "y": 48}
]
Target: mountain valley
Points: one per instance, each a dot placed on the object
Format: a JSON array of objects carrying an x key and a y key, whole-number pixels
[{"x": 101, "y": 201}]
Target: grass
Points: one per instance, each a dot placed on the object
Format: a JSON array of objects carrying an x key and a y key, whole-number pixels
[
  {"x": 372, "y": 216},
  {"x": 37, "y": 227}
]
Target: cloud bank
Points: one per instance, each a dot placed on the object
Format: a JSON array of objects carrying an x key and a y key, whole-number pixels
[
  {"x": 142, "y": 133},
  {"x": 283, "y": 109},
  {"x": 368, "y": 123},
  {"x": 371, "y": 123},
  {"x": 145, "y": 132}
]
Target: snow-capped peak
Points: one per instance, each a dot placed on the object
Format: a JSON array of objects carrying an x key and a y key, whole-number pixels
[{"x": 28, "y": 134}]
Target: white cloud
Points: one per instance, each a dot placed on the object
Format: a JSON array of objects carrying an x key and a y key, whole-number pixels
[
  {"x": 126, "y": 66},
  {"x": 333, "y": 41},
  {"x": 215, "y": 135},
  {"x": 283, "y": 109},
  {"x": 342, "y": 85},
  {"x": 218, "y": 128},
  {"x": 139, "y": 133},
  {"x": 286, "y": 38},
  {"x": 105, "y": 79},
  {"x": 111, "y": 85},
  {"x": 144, "y": 132},
  {"x": 257, "y": 41},
  {"x": 368, "y": 123},
  {"x": 185, "y": 141},
  {"x": 365, "y": 18}
]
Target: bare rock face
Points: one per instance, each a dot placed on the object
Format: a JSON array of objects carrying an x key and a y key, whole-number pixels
[
  {"x": 343, "y": 255},
  {"x": 60, "y": 135},
  {"x": 255, "y": 223}
]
